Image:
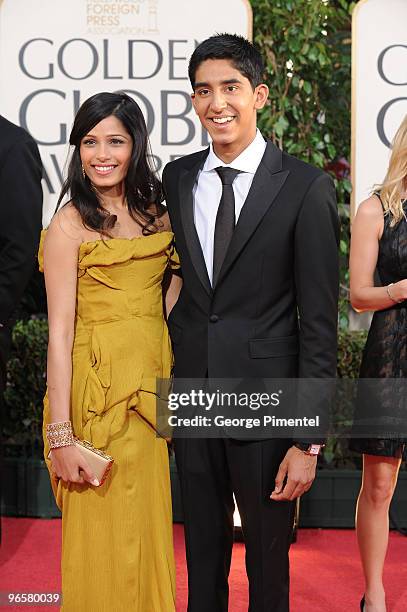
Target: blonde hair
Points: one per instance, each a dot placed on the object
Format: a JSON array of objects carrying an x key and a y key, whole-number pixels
[{"x": 394, "y": 185}]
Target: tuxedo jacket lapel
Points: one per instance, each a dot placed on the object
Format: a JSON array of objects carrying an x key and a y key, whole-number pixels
[
  {"x": 266, "y": 184},
  {"x": 186, "y": 185}
]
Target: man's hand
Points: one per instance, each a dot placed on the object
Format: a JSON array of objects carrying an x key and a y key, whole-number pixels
[{"x": 299, "y": 469}]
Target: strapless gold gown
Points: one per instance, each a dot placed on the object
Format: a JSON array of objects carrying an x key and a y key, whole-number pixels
[{"x": 117, "y": 552}]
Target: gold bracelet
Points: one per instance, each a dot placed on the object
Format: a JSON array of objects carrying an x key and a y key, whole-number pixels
[
  {"x": 390, "y": 295},
  {"x": 59, "y": 434}
]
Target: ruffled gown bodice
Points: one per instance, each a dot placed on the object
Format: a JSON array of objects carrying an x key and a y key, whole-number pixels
[{"x": 121, "y": 343}]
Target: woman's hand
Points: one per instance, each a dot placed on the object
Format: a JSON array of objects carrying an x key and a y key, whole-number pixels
[{"x": 68, "y": 463}]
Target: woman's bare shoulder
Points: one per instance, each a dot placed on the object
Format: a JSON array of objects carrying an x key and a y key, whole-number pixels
[
  {"x": 67, "y": 224},
  {"x": 370, "y": 208},
  {"x": 369, "y": 220}
]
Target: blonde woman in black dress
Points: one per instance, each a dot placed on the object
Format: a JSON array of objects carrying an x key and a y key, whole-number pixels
[{"x": 379, "y": 241}]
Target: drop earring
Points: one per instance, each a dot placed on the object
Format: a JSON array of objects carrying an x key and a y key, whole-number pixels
[{"x": 83, "y": 172}]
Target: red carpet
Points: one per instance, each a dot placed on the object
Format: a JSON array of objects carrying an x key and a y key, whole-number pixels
[{"x": 326, "y": 576}]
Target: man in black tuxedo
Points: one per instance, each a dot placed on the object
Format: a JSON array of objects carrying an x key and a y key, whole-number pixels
[
  {"x": 20, "y": 227},
  {"x": 257, "y": 234}
]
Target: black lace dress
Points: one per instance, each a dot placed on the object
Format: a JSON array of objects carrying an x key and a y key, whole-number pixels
[{"x": 385, "y": 353}]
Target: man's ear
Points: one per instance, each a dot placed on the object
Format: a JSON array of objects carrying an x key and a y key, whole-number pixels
[
  {"x": 193, "y": 98},
  {"x": 262, "y": 94}
]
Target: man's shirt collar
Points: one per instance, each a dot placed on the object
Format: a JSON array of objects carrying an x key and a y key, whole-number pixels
[{"x": 248, "y": 160}]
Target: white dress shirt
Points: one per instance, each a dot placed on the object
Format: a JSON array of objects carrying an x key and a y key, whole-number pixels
[{"x": 208, "y": 192}]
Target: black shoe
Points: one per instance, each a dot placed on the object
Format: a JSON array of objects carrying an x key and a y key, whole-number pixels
[{"x": 362, "y": 604}]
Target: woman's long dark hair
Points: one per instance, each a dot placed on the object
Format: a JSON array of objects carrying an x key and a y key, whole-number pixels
[{"x": 143, "y": 191}]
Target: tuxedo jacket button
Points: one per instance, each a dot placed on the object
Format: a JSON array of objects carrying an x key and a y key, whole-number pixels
[{"x": 214, "y": 318}]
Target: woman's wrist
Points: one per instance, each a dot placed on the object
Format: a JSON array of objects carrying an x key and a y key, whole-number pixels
[
  {"x": 394, "y": 294},
  {"x": 59, "y": 434}
]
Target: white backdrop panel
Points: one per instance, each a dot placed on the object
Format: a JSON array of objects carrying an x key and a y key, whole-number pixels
[
  {"x": 56, "y": 53},
  {"x": 379, "y": 96}
]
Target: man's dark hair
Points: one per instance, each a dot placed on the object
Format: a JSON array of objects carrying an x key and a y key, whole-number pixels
[{"x": 238, "y": 50}]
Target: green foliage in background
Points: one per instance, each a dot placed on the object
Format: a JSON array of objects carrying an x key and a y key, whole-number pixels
[
  {"x": 25, "y": 388},
  {"x": 307, "y": 48},
  {"x": 336, "y": 453},
  {"x": 350, "y": 348}
]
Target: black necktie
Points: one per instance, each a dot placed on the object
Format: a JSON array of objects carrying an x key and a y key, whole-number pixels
[{"x": 225, "y": 219}]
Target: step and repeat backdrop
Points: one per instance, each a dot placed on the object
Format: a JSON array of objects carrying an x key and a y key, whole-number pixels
[
  {"x": 379, "y": 88},
  {"x": 56, "y": 53}
]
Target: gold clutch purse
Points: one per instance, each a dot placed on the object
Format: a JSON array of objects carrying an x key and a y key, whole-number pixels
[{"x": 99, "y": 462}]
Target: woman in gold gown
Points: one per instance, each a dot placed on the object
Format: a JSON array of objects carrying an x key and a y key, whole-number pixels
[{"x": 106, "y": 256}]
